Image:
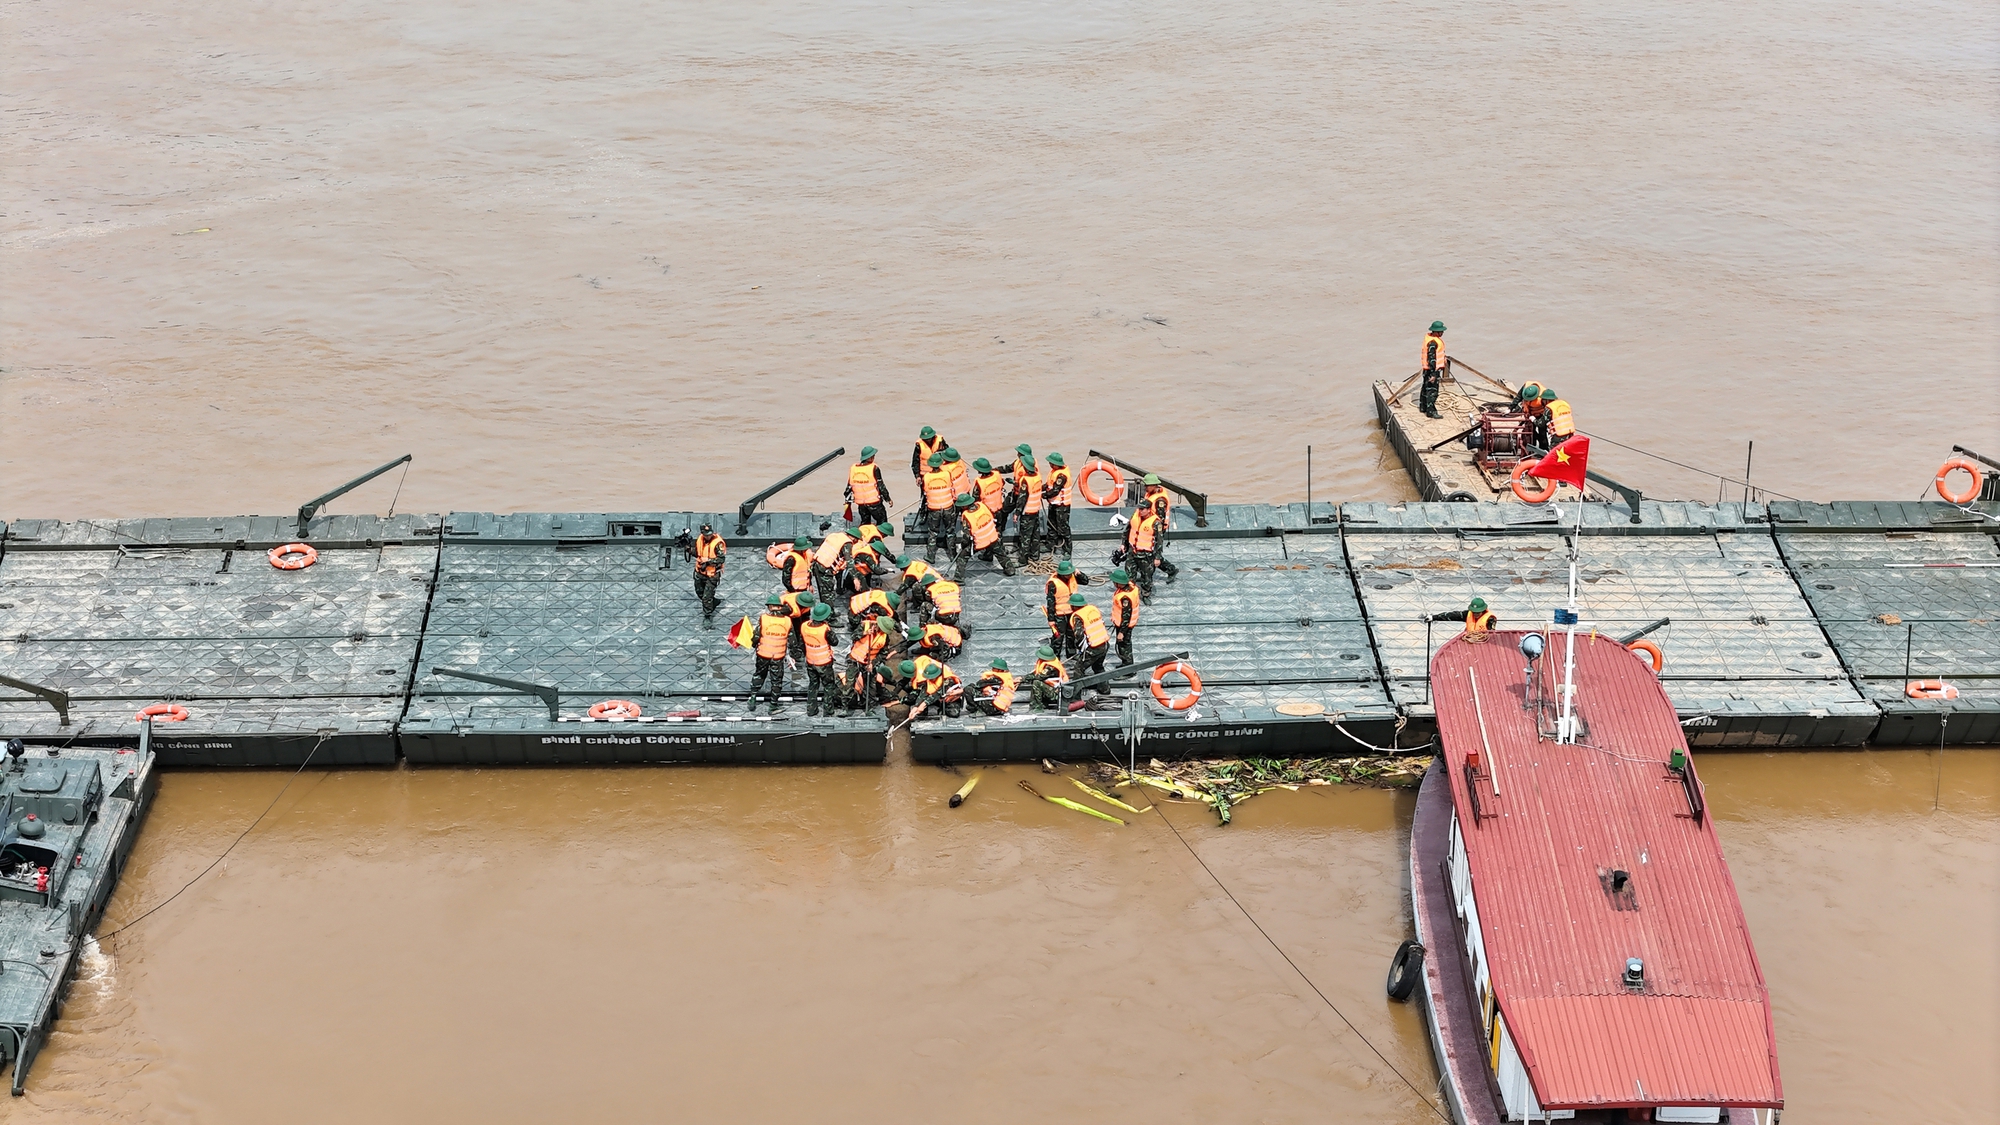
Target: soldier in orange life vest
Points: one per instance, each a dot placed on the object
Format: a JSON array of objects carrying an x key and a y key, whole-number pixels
[
  {"x": 1025, "y": 502},
  {"x": 978, "y": 534},
  {"x": 1529, "y": 400},
  {"x": 708, "y": 551},
  {"x": 1056, "y": 494},
  {"x": 798, "y": 605},
  {"x": 1479, "y": 620},
  {"x": 943, "y": 595},
  {"x": 1086, "y": 624},
  {"x": 939, "y": 642},
  {"x": 821, "y": 685},
  {"x": 917, "y": 605},
  {"x": 830, "y": 562},
  {"x": 866, "y": 490},
  {"x": 961, "y": 473},
  {"x": 939, "y": 496},
  {"x": 1436, "y": 366},
  {"x": 1142, "y": 539},
  {"x": 868, "y": 606},
  {"x": 929, "y": 444},
  {"x": 769, "y": 641},
  {"x": 1562, "y": 424},
  {"x": 796, "y": 565},
  {"x": 1124, "y": 614},
  {"x": 995, "y": 689},
  {"x": 1156, "y": 496},
  {"x": 1056, "y": 592},
  {"x": 990, "y": 489},
  {"x": 862, "y": 656},
  {"x": 1045, "y": 682}
]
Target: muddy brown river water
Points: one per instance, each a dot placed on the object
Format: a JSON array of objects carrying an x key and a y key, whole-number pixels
[{"x": 606, "y": 256}]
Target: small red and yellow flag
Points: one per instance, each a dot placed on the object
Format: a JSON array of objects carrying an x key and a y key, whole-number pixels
[{"x": 739, "y": 633}]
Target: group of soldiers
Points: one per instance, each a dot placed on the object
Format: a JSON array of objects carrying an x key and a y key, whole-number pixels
[
  {"x": 904, "y": 617},
  {"x": 1550, "y": 416}
]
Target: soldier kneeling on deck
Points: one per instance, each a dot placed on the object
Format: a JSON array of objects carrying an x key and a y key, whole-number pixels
[
  {"x": 1046, "y": 680},
  {"x": 1479, "y": 620},
  {"x": 996, "y": 689}
]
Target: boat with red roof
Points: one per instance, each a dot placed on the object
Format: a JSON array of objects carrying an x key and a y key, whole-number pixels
[{"x": 1581, "y": 953}]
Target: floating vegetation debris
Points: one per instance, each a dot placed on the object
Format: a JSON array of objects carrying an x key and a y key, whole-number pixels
[{"x": 1226, "y": 783}]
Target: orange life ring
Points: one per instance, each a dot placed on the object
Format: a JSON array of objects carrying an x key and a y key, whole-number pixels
[
  {"x": 776, "y": 552},
  {"x": 614, "y": 709},
  {"x": 170, "y": 712},
  {"x": 292, "y": 556},
  {"x": 1542, "y": 497},
  {"x": 1173, "y": 703},
  {"x": 1650, "y": 651},
  {"x": 1094, "y": 466},
  {"x": 1930, "y": 689},
  {"x": 1971, "y": 492}
]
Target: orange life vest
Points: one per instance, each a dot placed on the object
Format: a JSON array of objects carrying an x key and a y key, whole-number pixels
[
  {"x": 708, "y": 552},
  {"x": 998, "y": 687},
  {"x": 1063, "y": 482},
  {"x": 938, "y": 492},
  {"x": 798, "y": 569},
  {"x": 819, "y": 645},
  {"x": 992, "y": 488},
  {"x": 867, "y": 646},
  {"x": 944, "y": 595},
  {"x": 871, "y": 533},
  {"x": 1059, "y": 589},
  {"x": 1052, "y": 671},
  {"x": 1091, "y": 621},
  {"x": 1561, "y": 424},
  {"x": 792, "y": 607},
  {"x": 1156, "y": 498},
  {"x": 1139, "y": 536},
  {"x": 961, "y": 477},
  {"x": 926, "y": 448},
  {"x": 916, "y": 570},
  {"x": 861, "y": 479},
  {"x": 945, "y": 633},
  {"x": 1433, "y": 352},
  {"x": 1478, "y": 622},
  {"x": 1028, "y": 488},
  {"x": 774, "y": 630},
  {"x": 979, "y": 521},
  {"x": 1125, "y": 606},
  {"x": 868, "y": 601},
  {"x": 828, "y": 554}
]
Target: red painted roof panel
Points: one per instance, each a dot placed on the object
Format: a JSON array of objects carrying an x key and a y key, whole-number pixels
[{"x": 1557, "y": 935}]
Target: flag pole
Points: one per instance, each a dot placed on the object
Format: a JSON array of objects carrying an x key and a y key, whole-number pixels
[{"x": 1566, "y": 723}]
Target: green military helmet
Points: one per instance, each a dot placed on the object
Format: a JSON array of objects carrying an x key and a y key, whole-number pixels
[
  {"x": 902, "y": 560},
  {"x": 930, "y": 578},
  {"x": 1065, "y": 568},
  {"x": 1119, "y": 576},
  {"x": 1437, "y": 325},
  {"x": 964, "y": 500},
  {"x": 802, "y": 543},
  {"x": 895, "y": 599},
  {"x": 914, "y": 633},
  {"x": 1548, "y": 394},
  {"x": 867, "y": 451},
  {"x": 1150, "y": 478},
  {"x": 1056, "y": 460},
  {"x": 822, "y": 612},
  {"x": 907, "y": 667},
  {"x": 853, "y": 532},
  {"x": 807, "y": 601},
  {"x": 999, "y": 665},
  {"x": 937, "y": 461},
  {"x": 885, "y": 528},
  {"x": 1025, "y": 450},
  {"x": 1046, "y": 653},
  {"x": 1530, "y": 390},
  {"x": 1078, "y": 599},
  {"x": 982, "y": 464},
  {"x": 775, "y": 600},
  {"x": 950, "y": 454},
  {"x": 1479, "y": 605},
  {"x": 1028, "y": 461},
  {"x": 927, "y": 433}
]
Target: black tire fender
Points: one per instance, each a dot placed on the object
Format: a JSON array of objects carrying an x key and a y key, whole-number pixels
[
  {"x": 1405, "y": 968},
  {"x": 1460, "y": 497}
]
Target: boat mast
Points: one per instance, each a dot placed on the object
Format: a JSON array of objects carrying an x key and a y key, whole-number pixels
[{"x": 1566, "y": 617}]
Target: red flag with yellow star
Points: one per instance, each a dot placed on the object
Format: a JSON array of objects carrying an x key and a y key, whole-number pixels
[{"x": 1565, "y": 462}]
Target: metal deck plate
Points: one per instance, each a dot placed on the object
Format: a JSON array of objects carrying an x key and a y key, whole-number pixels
[
  {"x": 1906, "y": 591},
  {"x": 1744, "y": 648},
  {"x": 269, "y": 663},
  {"x": 597, "y": 607},
  {"x": 1267, "y": 620}
]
